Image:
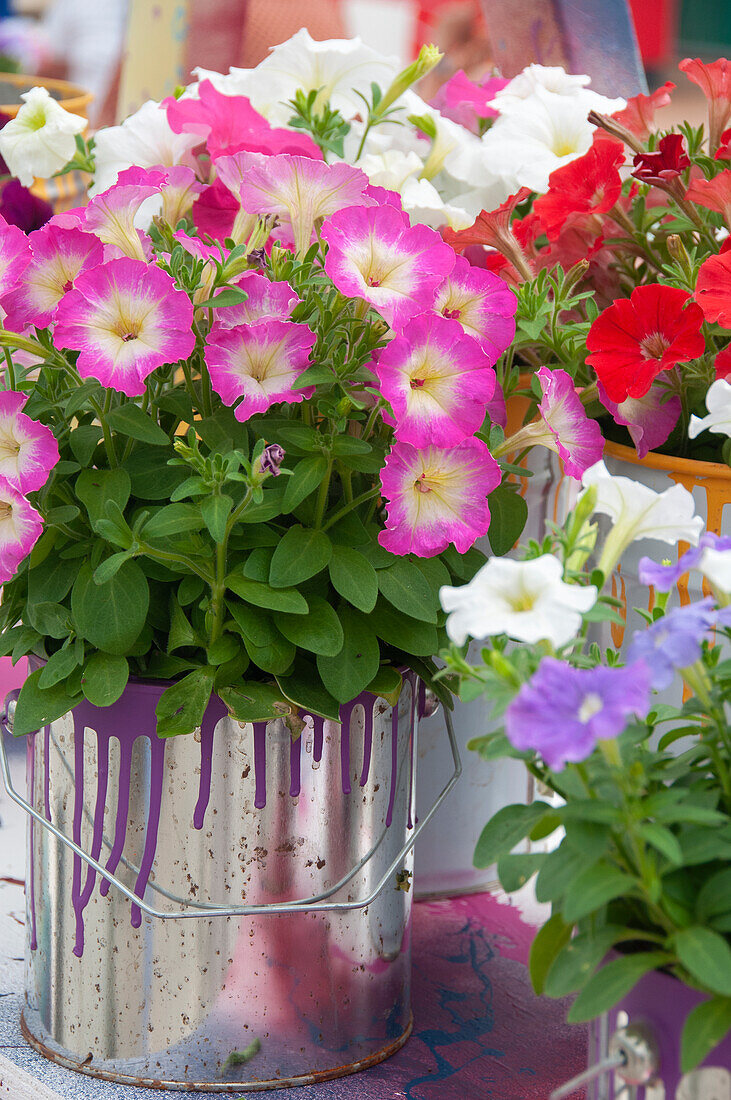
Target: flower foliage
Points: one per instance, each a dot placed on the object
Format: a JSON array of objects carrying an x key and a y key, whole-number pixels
[
  {"x": 644, "y": 804},
  {"x": 243, "y": 426}
]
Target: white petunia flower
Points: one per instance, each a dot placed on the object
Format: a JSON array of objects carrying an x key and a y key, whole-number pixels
[
  {"x": 554, "y": 79},
  {"x": 392, "y": 168},
  {"x": 338, "y": 69},
  {"x": 145, "y": 140},
  {"x": 638, "y": 512},
  {"x": 715, "y": 565},
  {"x": 718, "y": 403},
  {"x": 528, "y": 600},
  {"x": 40, "y": 141},
  {"x": 542, "y": 133}
]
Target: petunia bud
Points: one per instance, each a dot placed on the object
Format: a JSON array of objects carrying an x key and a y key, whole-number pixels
[
  {"x": 272, "y": 459},
  {"x": 429, "y": 57}
]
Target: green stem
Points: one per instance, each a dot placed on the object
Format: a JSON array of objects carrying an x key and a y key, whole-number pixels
[
  {"x": 108, "y": 438},
  {"x": 13, "y": 340},
  {"x": 218, "y": 587},
  {"x": 369, "y": 494},
  {"x": 166, "y": 555},
  {"x": 11, "y": 368},
  {"x": 321, "y": 504}
]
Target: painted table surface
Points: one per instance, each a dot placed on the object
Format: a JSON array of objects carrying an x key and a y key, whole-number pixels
[{"x": 479, "y": 1030}]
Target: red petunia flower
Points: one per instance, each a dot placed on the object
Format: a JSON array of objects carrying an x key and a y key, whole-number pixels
[
  {"x": 639, "y": 114},
  {"x": 724, "y": 150},
  {"x": 589, "y": 185},
  {"x": 714, "y": 80},
  {"x": 722, "y": 364},
  {"x": 714, "y": 194},
  {"x": 492, "y": 228},
  {"x": 713, "y": 289},
  {"x": 663, "y": 167},
  {"x": 636, "y": 338}
]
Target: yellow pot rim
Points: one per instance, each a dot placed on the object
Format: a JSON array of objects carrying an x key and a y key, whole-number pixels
[
  {"x": 691, "y": 467},
  {"x": 72, "y": 97}
]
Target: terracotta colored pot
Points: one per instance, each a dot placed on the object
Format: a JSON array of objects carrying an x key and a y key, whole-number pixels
[{"x": 70, "y": 96}]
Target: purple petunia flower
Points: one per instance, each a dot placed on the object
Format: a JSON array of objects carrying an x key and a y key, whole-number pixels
[
  {"x": 562, "y": 711},
  {"x": 674, "y": 641},
  {"x": 665, "y": 577}
]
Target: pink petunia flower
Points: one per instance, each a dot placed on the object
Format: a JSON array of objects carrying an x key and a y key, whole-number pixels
[
  {"x": 260, "y": 363},
  {"x": 20, "y": 529},
  {"x": 649, "y": 419},
  {"x": 437, "y": 380},
  {"x": 467, "y": 103},
  {"x": 376, "y": 255},
  {"x": 58, "y": 257},
  {"x": 219, "y": 214},
  {"x": 437, "y": 496},
  {"x": 563, "y": 426},
  {"x": 302, "y": 190},
  {"x": 179, "y": 193},
  {"x": 28, "y": 450},
  {"x": 126, "y": 318},
  {"x": 482, "y": 303},
  {"x": 14, "y": 255},
  {"x": 111, "y": 215},
  {"x": 267, "y": 300},
  {"x": 227, "y": 123}
]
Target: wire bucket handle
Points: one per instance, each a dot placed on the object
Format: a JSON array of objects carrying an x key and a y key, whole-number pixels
[{"x": 317, "y": 903}]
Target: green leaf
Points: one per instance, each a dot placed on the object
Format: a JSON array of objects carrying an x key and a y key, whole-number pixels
[
  {"x": 110, "y": 566},
  {"x": 182, "y": 634},
  {"x": 664, "y": 841},
  {"x": 706, "y": 955},
  {"x": 254, "y": 622},
  {"x": 306, "y": 477},
  {"x": 592, "y": 888},
  {"x": 257, "y": 565},
  {"x": 546, "y": 945},
  {"x": 403, "y": 632},
  {"x": 303, "y": 689},
  {"x": 215, "y": 511},
  {"x": 515, "y": 869},
  {"x": 104, "y": 679},
  {"x": 111, "y": 615},
  {"x": 275, "y": 657},
  {"x": 58, "y": 666},
  {"x": 506, "y": 829},
  {"x": 83, "y": 441},
  {"x": 353, "y": 577},
  {"x": 223, "y": 650},
  {"x": 579, "y": 959},
  {"x": 705, "y": 1027},
  {"x": 181, "y": 707},
  {"x": 714, "y": 896},
  {"x": 95, "y": 487},
  {"x": 407, "y": 589},
  {"x": 300, "y": 555},
  {"x": 613, "y": 982},
  {"x": 436, "y": 573},
  {"x": 319, "y": 631},
  {"x": 254, "y": 702},
  {"x": 132, "y": 421},
  {"x": 229, "y": 296},
  {"x": 352, "y": 669},
  {"x": 39, "y": 707},
  {"x": 288, "y": 600},
  {"x": 387, "y": 683},
  {"x": 172, "y": 520},
  {"x": 508, "y": 513},
  {"x": 151, "y": 477},
  {"x": 53, "y": 620}
]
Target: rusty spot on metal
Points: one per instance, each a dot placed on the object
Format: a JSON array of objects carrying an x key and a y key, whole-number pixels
[{"x": 315, "y": 1078}]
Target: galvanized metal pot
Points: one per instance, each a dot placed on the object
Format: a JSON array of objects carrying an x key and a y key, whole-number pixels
[
  {"x": 444, "y": 852},
  {"x": 268, "y": 939}
]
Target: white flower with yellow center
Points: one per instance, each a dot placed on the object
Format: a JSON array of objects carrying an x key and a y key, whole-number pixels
[
  {"x": 718, "y": 403},
  {"x": 41, "y": 140},
  {"x": 527, "y": 600}
]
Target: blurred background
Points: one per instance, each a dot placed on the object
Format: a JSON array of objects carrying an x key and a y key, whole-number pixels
[{"x": 123, "y": 51}]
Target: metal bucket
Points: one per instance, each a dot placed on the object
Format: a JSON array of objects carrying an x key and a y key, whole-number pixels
[
  {"x": 445, "y": 849},
  {"x": 268, "y": 940}
]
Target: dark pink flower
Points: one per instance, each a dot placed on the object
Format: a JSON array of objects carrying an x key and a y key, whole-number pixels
[
  {"x": 437, "y": 496},
  {"x": 649, "y": 419},
  {"x": 28, "y": 450},
  {"x": 663, "y": 167},
  {"x": 260, "y": 363},
  {"x": 375, "y": 255},
  {"x": 227, "y": 123},
  {"x": 58, "y": 257},
  {"x": 467, "y": 103},
  {"x": 14, "y": 255},
  {"x": 126, "y": 318},
  {"x": 437, "y": 380}
]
